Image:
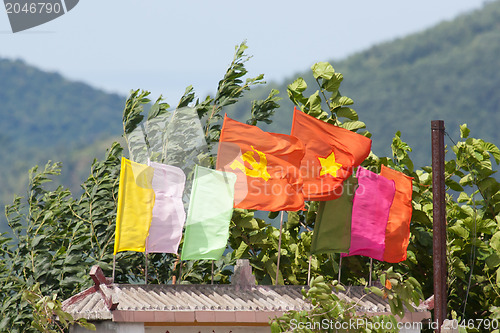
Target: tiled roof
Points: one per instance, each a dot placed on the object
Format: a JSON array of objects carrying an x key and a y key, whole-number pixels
[
  {"x": 202, "y": 303},
  {"x": 175, "y": 298}
]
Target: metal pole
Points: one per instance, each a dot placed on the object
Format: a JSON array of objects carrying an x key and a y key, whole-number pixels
[
  {"x": 439, "y": 223},
  {"x": 279, "y": 250}
]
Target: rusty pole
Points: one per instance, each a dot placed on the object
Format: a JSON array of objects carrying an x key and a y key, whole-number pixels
[{"x": 439, "y": 223}]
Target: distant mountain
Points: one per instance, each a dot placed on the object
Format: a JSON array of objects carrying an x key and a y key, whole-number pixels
[
  {"x": 45, "y": 116},
  {"x": 450, "y": 72}
]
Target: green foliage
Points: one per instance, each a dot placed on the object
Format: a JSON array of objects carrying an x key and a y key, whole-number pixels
[
  {"x": 263, "y": 110},
  {"x": 472, "y": 210},
  {"x": 328, "y": 82},
  {"x": 55, "y": 238},
  {"x": 46, "y": 308},
  {"x": 332, "y": 313},
  {"x": 473, "y": 227},
  {"x": 229, "y": 90},
  {"x": 399, "y": 291},
  {"x": 472, "y": 217},
  {"x": 257, "y": 241}
]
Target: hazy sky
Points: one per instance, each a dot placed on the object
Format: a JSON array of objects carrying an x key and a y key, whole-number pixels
[{"x": 164, "y": 46}]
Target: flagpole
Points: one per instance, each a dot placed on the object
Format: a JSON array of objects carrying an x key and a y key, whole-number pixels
[
  {"x": 174, "y": 278},
  {"x": 309, "y": 270},
  {"x": 146, "y": 269},
  {"x": 146, "y": 258},
  {"x": 340, "y": 266},
  {"x": 180, "y": 271},
  {"x": 371, "y": 267},
  {"x": 279, "y": 249},
  {"x": 212, "y": 282},
  {"x": 114, "y": 264}
]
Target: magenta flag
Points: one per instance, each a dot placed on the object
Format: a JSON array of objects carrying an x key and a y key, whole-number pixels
[
  {"x": 370, "y": 212},
  {"x": 168, "y": 211}
]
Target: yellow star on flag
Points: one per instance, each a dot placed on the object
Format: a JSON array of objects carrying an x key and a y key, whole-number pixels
[{"x": 329, "y": 166}]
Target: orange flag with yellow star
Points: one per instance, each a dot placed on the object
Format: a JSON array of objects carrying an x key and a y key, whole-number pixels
[
  {"x": 266, "y": 165},
  {"x": 331, "y": 155}
]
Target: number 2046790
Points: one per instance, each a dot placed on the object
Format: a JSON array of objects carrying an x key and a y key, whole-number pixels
[{"x": 33, "y": 8}]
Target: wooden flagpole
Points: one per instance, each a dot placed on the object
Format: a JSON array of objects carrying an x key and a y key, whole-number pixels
[
  {"x": 147, "y": 238},
  {"x": 174, "y": 278},
  {"x": 180, "y": 271},
  {"x": 146, "y": 268},
  {"x": 114, "y": 264},
  {"x": 212, "y": 281},
  {"x": 371, "y": 268},
  {"x": 439, "y": 222},
  {"x": 340, "y": 267},
  {"x": 279, "y": 250},
  {"x": 146, "y": 258}
]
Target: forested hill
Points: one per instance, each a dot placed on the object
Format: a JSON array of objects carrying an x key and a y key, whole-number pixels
[
  {"x": 44, "y": 116},
  {"x": 450, "y": 72}
]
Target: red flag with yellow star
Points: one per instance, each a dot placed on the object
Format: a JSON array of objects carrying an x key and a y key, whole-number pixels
[
  {"x": 331, "y": 155},
  {"x": 266, "y": 165}
]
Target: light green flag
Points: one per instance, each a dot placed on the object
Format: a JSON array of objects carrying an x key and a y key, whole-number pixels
[
  {"x": 209, "y": 214},
  {"x": 332, "y": 229}
]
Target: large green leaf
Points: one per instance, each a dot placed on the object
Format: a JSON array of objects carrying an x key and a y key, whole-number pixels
[
  {"x": 322, "y": 70},
  {"x": 347, "y": 113},
  {"x": 459, "y": 231},
  {"x": 495, "y": 241},
  {"x": 464, "y": 131},
  {"x": 452, "y": 184},
  {"x": 493, "y": 261},
  {"x": 353, "y": 125},
  {"x": 242, "y": 249},
  {"x": 313, "y": 106},
  {"x": 493, "y": 150},
  {"x": 332, "y": 85},
  {"x": 340, "y": 101}
]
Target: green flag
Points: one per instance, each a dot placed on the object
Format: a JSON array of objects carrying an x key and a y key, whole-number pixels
[
  {"x": 332, "y": 229},
  {"x": 209, "y": 214}
]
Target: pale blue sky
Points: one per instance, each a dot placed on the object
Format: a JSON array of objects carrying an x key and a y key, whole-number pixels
[{"x": 164, "y": 46}]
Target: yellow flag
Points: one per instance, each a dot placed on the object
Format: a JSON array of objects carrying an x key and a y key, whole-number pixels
[{"x": 136, "y": 199}]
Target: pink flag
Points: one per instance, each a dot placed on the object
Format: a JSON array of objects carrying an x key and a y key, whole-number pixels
[
  {"x": 370, "y": 212},
  {"x": 168, "y": 212}
]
